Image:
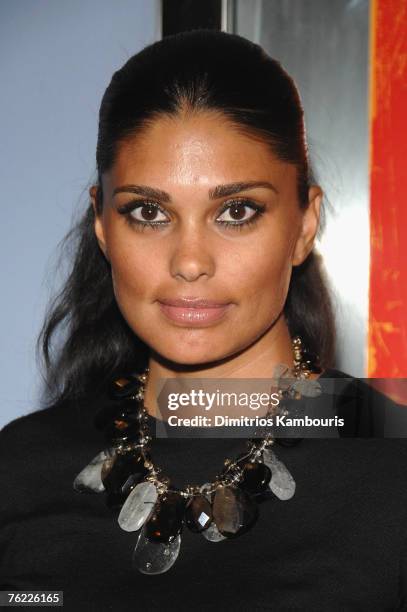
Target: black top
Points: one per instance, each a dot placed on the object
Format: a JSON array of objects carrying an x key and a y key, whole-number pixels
[{"x": 338, "y": 544}]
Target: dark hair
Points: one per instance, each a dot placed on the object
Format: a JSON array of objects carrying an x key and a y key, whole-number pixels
[{"x": 188, "y": 72}]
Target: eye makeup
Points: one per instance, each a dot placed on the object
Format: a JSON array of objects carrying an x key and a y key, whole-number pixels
[{"x": 128, "y": 209}]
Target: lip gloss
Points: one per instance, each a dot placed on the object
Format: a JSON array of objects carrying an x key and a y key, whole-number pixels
[{"x": 197, "y": 317}]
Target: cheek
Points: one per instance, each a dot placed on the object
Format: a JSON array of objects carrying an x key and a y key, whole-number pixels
[
  {"x": 262, "y": 277},
  {"x": 134, "y": 270},
  {"x": 131, "y": 277}
]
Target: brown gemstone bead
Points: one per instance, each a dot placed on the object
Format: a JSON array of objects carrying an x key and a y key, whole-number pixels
[
  {"x": 198, "y": 514},
  {"x": 234, "y": 511},
  {"x": 126, "y": 409},
  {"x": 122, "y": 430},
  {"x": 124, "y": 387},
  {"x": 167, "y": 519},
  {"x": 256, "y": 477},
  {"x": 126, "y": 472}
]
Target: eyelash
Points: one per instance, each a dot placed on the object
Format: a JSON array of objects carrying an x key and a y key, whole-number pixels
[{"x": 128, "y": 208}]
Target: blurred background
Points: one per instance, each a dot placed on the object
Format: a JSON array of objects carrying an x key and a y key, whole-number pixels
[{"x": 349, "y": 59}]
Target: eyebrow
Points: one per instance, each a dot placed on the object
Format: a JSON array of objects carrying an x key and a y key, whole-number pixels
[
  {"x": 148, "y": 192},
  {"x": 219, "y": 191}
]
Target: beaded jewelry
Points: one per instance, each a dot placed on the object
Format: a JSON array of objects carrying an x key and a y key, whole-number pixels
[{"x": 222, "y": 509}]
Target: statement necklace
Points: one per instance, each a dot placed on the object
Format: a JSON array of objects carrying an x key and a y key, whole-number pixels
[{"x": 219, "y": 510}]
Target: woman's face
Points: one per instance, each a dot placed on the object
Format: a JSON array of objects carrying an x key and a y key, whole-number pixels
[{"x": 194, "y": 210}]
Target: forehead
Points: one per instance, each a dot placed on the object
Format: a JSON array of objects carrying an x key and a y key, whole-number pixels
[{"x": 196, "y": 148}]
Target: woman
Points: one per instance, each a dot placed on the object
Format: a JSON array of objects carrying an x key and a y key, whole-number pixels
[{"x": 195, "y": 259}]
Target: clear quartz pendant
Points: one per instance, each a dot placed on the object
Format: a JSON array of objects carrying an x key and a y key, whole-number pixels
[
  {"x": 89, "y": 480},
  {"x": 282, "y": 483},
  {"x": 212, "y": 534},
  {"x": 155, "y": 557},
  {"x": 308, "y": 387},
  {"x": 108, "y": 463},
  {"x": 138, "y": 506}
]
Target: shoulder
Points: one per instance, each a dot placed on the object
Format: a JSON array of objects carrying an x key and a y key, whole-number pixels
[
  {"x": 41, "y": 453},
  {"x": 348, "y": 386},
  {"x": 367, "y": 412},
  {"x": 61, "y": 419},
  {"x": 29, "y": 443},
  {"x": 39, "y": 441},
  {"x": 32, "y": 424},
  {"x": 39, "y": 429}
]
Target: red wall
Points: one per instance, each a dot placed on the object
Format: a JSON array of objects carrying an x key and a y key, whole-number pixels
[{"x": 387, "y": 349}]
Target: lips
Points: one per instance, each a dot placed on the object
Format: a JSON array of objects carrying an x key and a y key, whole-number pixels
[
  {"x": 193, "y": 302},
  {"x": 193, "y": 311}
]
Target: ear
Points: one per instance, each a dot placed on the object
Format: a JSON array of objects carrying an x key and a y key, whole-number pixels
[
  {"x": 98, "y": 225},
  {"x": 309, "y": 226}
]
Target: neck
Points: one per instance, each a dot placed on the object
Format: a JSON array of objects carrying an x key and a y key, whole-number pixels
[{"x": 256, "y": 361}]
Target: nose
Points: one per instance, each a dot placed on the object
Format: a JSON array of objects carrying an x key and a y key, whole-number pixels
[{"x": 192, "y": 255}]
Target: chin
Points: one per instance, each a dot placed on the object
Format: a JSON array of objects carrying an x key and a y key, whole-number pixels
[{"x": 190, "y": 356}]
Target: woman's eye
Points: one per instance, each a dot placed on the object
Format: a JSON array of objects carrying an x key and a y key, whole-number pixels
[
  {"x": 148, "y": 213},
  {"x": 238, "y": 213}
]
